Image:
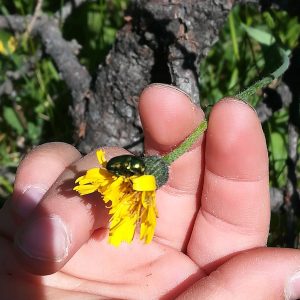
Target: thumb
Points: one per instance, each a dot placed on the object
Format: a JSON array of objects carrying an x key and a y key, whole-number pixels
[{"x": 263, "y": 273}]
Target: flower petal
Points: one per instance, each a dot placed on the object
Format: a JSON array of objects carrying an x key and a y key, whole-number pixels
[
  {"x": 85, "y": 189},
  {"x": 148, "y": 218},
  {"x": 144, "y": 183},
  {"x": 101, "y": 157},
  {"x": 122, "y": 232}
]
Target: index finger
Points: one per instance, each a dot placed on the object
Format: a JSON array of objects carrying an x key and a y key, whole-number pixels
[{"x": 168, "y": 117}]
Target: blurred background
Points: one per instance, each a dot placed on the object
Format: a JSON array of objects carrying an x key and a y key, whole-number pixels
[{"x": 34, "y": 100}]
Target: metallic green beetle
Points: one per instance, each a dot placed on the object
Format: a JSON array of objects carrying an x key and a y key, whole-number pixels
[{"x": 126, "y": 165}]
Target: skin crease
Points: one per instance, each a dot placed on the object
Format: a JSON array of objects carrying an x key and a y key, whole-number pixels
[{"x": 211, "y": 232}]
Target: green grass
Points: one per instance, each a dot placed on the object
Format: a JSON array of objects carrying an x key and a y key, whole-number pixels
[{"x": 247, "y": 50}]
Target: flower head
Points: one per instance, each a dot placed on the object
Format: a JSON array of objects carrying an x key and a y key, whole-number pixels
[{"x": 131, "y": 200}]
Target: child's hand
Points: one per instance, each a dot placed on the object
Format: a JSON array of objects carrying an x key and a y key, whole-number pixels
[{"x": 212, "y": 228}]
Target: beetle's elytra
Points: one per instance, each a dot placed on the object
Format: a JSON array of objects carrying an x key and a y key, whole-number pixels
[{"x": 126, "y": 165}]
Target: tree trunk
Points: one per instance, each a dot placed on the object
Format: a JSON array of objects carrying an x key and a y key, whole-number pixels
[{"x": 162, "y": 41}]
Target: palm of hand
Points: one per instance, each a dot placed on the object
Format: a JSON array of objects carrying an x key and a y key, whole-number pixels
[{"x": 191, "y": 239}]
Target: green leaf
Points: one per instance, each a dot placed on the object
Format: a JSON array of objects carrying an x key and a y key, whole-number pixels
[
  {"x": 234, "y": 78},
  {"x": 6, "y": 184},
  {"x": 259, "y": 35},
  {"x": 34, "y": 132},
  {"x": 279, "y": 146},
  {"x": 109, "y": 34},
  {"x": 278, "y": 156},
  {"x": 12, "y": 119},
  {"x": 4, "y": 36}
]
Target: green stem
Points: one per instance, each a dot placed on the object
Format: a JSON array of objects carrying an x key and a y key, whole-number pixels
[
  {"x": 186, "y": 144},
  {"x": 266, "y": 80},
  {"x": 254, "y": 87},
  {"x": 233, "y": 37}
]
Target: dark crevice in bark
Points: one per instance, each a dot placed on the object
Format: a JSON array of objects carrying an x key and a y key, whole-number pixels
[
  {"x": 160, "y": 71},
  {"x": 154, "y": 35}
]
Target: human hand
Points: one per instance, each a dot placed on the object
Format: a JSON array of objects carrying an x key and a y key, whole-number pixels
[{"x": 211, "y": 232}]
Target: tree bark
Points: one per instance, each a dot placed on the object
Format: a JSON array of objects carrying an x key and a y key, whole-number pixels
[{"x": 162, "y": 41}]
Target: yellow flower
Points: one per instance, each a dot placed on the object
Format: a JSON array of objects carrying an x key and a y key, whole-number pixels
[
  {"x": 8, "y": 47},
  {"x": 132, "y": 201}
]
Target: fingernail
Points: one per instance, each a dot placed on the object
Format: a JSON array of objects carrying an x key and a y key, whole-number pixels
[
  {"x": 292, "y": 291},
  {"x": 44, "y": 238},
  {"x": 240, "y": 101},
  {"x": 24, "y": 203},
  {"x": 167, "y": 86}
]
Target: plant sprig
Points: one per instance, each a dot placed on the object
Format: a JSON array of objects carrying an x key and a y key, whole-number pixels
[{"x": 244, "y": 95}]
